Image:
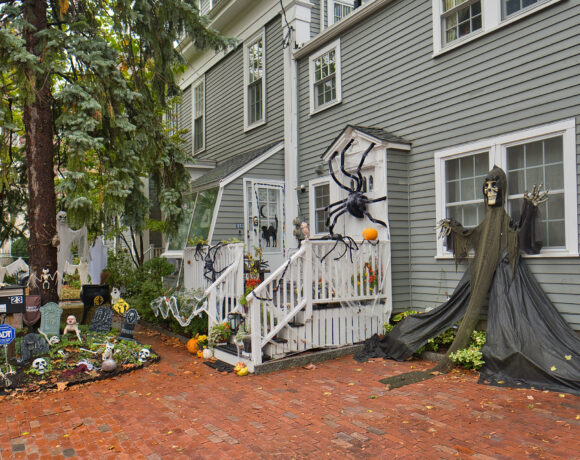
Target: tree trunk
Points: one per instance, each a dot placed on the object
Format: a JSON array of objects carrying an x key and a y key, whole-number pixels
[{"x": 39, "y": 163}]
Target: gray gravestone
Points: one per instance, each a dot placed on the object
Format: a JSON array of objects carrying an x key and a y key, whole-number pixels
[
  {"x": 103, "y": 320},
  {"x": 129, "y": 322},
  {"x": 33, "y": 345},
  {"x": 50, "y": 319}
]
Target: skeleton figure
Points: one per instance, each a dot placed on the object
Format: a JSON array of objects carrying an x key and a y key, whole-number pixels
[
  {"x": 46, "y": 278},
  {"x": 72, "y": 326},
  {"x": 108, "y": 353},
  {"x": 356, "y": 202}
]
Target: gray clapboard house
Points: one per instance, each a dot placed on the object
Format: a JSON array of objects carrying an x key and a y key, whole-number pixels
[{"x": 442, "y": 89}]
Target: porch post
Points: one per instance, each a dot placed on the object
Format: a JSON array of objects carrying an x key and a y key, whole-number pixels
[{"x": 308, "y": 284}]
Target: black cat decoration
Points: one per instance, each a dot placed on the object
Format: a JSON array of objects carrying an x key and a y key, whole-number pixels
[{"x": 270, "y": 234}]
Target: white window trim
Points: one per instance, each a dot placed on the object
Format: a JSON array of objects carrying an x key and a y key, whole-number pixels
[
  {"x": 336, "y": 46},
  {"x": 193, "y": 87},
  {"x": 247, "y": 44},
  {"x": 491, "y": 20},
  {"x": 497, "y": 155},
  {"x": 312, "y": 184},
  {"x": 330, "y": 10}
]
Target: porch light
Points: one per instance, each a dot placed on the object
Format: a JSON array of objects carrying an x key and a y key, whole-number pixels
[{"x": 235, "y": 319}]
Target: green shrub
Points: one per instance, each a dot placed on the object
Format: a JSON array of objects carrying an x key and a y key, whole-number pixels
[{"x": 471, "y": 357}]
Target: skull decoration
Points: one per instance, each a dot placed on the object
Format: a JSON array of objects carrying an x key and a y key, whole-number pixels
[
  {"x": 54, "y": 340},
  {"x": 108, "y": 353},
  {"x": 492, "y": 191},
  {"x": 144, "y": 355},
  {"x": 40, "y": 365}
]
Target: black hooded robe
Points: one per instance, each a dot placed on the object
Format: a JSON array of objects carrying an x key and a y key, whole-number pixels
[{"x": 528, "y": 343}]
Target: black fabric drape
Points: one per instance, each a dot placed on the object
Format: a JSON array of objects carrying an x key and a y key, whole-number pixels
[
  {"x": 415, "y": 330},
  {"x": 528, "y": 343}
]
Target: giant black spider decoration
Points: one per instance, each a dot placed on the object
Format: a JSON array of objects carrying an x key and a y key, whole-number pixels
[
  {"x": 356, "y": 202},
  {"x": 209, "y": 271}
]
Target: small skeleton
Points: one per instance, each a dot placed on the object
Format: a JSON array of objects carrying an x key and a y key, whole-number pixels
[
  {"x": 46, "y": 278},
  {"x": 55, "y": 339},
  {"x": 108, "y": 353},
  {"x": 72, "y": 326}
]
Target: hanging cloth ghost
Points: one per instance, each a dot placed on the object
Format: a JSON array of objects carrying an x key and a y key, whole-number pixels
[{"x": 67, "y": 238}]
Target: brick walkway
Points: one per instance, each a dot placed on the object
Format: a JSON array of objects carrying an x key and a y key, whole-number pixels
[{"x": 181, "y": 408}]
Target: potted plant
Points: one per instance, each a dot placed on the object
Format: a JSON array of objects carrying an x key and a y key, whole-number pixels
[{"x": 218, "y": 333}]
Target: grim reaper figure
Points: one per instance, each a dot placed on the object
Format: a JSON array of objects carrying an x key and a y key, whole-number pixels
[{"x": 528, "y": 343}]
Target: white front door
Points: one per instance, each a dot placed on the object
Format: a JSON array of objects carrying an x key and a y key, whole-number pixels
[{"x": 265, "y": 219}]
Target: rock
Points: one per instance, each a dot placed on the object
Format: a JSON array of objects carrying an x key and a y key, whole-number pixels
[{"x": 109, "y": 365}]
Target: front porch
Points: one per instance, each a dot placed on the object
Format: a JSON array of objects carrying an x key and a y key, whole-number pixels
[{"x": 329, "y": 294}]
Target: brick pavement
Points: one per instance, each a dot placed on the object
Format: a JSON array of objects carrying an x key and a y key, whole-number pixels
[{"x": 181, "y": 408}]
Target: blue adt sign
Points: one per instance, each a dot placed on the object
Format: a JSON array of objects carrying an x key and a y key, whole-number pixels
[{"x": 7, "y": 334}]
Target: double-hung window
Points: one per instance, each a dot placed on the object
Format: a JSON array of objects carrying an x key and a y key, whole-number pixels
[
  {"x": 545, "y": 155},
  {"x": 255, "y": 82},
  {"x": 199, "y": 116},
  {"x": 319, "y": 190},
  {"x": 459, "y": 21},
  {"x": 325, "y": 79}
]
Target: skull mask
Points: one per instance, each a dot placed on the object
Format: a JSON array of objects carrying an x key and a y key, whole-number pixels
[
  {"x": 492, "y": 191},
  {"x": 144, "y": 355},
  {"x": 40, "y": 365}
]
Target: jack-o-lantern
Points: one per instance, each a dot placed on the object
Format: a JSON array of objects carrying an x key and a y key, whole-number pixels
[{"x": 192, "y": 345}]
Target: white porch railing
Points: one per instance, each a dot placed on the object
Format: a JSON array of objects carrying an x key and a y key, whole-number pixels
[
  {"x": 323, "y": 272},
  {"x": 219, "y": 271}
]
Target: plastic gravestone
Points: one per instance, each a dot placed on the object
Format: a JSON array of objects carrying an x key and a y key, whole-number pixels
[
  {"x": 102, "y": 320},
  {"x": 32, "y": 345},
  {"x": 50, "y": 319},
  {"x": 130, "y": 320}
]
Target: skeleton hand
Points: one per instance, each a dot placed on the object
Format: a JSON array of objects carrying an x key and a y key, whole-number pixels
[
  {"x": 444, "y": 227},
  {"x": 536, "y": 196}
]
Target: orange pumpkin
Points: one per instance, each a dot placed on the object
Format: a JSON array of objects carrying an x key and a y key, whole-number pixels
[
  {"x": 370, "y": 234},
  {"x": 192, "y": 345}
]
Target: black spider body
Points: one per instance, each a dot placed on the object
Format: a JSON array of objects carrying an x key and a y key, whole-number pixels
[{"x": 356, "y": 202}]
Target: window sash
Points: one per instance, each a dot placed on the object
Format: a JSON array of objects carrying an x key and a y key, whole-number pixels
[
  {"x": 199, "y": 117},
  {"x": 255, "y": 102},
  {"x": 321, "y": 200},
  {"x": 509, "y": 7},
  {"x": 558, "y": 172}
]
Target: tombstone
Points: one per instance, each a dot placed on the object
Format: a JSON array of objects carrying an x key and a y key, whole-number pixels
[
  {"x": 103, "y": 319},
  {"x": 50, "y": 319},
  {"x": 129, "y": 322},
  {"x": 32, "y": 313},
  {"x": 33, "y": 345}
]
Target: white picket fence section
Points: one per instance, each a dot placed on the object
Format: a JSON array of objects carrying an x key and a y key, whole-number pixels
[
  {"x": 322, "y": 297},
  {"x": 220, "y": 296}
]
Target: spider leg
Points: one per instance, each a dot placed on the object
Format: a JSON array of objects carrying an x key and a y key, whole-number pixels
[
  {"x": 333, "y": 156},
  {"x": 334, "y": 211},
  {"x": 344, "y": 171},
  {"x": 331, "y": 226},
  {"x": 332, "y": 205},
  {"x": 362, "y": 160},
  {"x": 376, "y": 221},
  {"x": 376, "y": 200}
]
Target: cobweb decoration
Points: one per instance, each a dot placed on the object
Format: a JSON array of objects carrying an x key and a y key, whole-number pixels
[{"x": 183, "y": 307}]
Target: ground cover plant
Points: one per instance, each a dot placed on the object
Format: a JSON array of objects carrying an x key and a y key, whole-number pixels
[{"x": 70, "y": 362}]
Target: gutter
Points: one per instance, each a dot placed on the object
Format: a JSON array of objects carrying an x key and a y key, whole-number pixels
[{"x": 337, "y": 29}]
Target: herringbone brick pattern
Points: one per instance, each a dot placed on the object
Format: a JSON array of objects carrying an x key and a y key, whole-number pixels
[{"x": 181, "y": 408}]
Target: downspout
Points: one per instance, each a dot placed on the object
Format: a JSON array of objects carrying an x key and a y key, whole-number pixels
[{"x": 295, "y": 32}]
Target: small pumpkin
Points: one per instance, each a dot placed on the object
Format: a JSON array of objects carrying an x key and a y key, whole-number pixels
[
  {"x": 370, "y": 234},
  {"x": 192, "y": 345},
  {"x": 200, "y": 353},
  {"x": 207, "y": 353}
]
